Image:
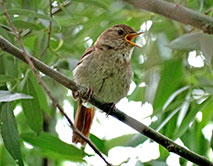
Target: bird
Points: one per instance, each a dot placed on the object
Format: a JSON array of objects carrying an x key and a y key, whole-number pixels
[{"x": 105, "y": 69}]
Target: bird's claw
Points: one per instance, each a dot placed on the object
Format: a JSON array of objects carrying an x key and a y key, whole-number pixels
[
  {"x": 83, "y": 95},
  {"x": 88, "y": 95},
  {"x": 110, "y": 107}
]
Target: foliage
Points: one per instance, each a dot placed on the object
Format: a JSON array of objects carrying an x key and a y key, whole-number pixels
[{"x": 177, "y": 89}]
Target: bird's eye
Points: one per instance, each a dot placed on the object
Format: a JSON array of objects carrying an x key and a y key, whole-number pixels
[{"x": 120, "y": 32}]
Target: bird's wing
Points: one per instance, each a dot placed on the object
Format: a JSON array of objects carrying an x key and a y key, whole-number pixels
[{"x": 86, "y": 53}]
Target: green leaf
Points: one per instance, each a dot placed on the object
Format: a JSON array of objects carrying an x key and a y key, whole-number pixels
[
  {"x": 173, "y": 96},
  {"x": 211, "y": 142},
  {"x": 207, "y": 115},
  {"x": 131, "y": 140},
  {"x": 169, "y": 81},
  {"x": 29, "y": 4},
  {"x": 4, "y": 32},
  {"x": 137, "y": 94},
  {"x": 9, "y": 132},
  {"x": 26, "y": 24},
  {"x": 187, "y": 42},
  {"x": 8, "y": 62},
  {"x": 206, "y": 43},
  {"x": 96, "y": 3},
  {"x": 168, "y": 118},
  {"x": 193, "y": 110},
  {"x": 29, "y": 13},
  {"x": 99, "y": 143},
  {"x": 7, "y": 96},
  {"x": 42, "y": 97},
  {"x": 32, "y": 108},
  {"x": 195, "y": 41},
  {"x": 53, "y": 147},
  {"x": 40, "y": 43},
  {"x": 5, "y": 78},
  {"x": 5, "y": 158}
]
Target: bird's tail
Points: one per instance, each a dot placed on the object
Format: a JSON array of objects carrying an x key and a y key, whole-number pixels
[{"x": 83, "y": 121}]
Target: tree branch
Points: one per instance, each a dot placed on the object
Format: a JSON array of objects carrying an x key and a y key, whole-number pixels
[
  {"x": 176, "y": 12},
  {"x": 140, "y": 127}
]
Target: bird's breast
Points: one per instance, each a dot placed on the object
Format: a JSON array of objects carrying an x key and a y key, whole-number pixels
[{"x": 108, "y": 75}]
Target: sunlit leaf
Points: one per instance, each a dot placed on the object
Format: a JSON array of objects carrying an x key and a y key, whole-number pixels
[
  {"x": 128, "y": 140},
  {"x": 99, "y": 143},
  {"x": 172, "y": 97},
  {"x": 53, "y": 147},
  {"x": 194, "y": 109},
  {"x": 137, "y": 94},
  {"x": 195, "y": 41},
  {"x": 188, "y": 42},
  {"x": 7, "y": 96},
  {"x": 211, "y": 142},
  {"x": 5, "y": 158},
  {"x": 206, "y": 43},
  {"x": 9, "y": 132}
]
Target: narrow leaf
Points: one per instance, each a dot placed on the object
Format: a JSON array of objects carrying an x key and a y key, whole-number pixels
[
  {"x": 173, "y": 96},
  {"x": 211, "y": 142},
  {"x": 26, "y": 24},
  {"x": 4, "y": 78},
  {"x": 169, "y": 81},
  {"x": 194, "y": 109},
  {"x": 29, "y": 13},
  {"x": 53, "y": 147},
  {"x": 7, "y": 96},
  {"x": 187, "y": 42},
  {"x": 32, "y": 108},
  {"x": 40, "y": 43},
  {"x": 9, "y": 132},
  {"x": 130, "y": 140},
  {"x": 43, "y": 100},
  {"x": 206, "y": 43}
]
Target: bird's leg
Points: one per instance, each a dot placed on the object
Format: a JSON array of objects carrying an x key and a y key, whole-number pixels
[
  {"x": 86, "y": 95},
  {"x": 75, "y": 95}
]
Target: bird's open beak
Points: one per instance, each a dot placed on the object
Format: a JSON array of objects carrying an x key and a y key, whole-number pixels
[{"x": 130, "y": 37}]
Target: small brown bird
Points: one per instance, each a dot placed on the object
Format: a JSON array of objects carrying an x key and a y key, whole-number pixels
[{"x": 105, "y": 68}]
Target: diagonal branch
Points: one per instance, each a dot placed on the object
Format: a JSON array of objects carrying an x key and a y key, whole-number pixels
[
  {"x": 140, "y": 127},
  {"x": 176, "y": 12}
]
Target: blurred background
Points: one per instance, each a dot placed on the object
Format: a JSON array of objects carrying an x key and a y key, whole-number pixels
[{"x": 171, "y": 90}]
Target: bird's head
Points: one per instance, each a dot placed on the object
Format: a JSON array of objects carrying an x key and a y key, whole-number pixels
[{"x": 119, "y": 36}]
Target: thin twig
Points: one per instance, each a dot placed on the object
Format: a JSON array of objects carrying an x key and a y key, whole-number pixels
[
  {"x": 29, "y": 61},
  {"x": 49, "y": 30},
  {"x": 61, "y": 6}
]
